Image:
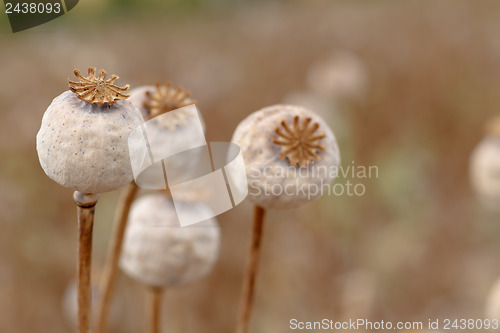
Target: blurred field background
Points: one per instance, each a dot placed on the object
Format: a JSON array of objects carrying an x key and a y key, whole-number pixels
[{"x": 417, "y": 245}]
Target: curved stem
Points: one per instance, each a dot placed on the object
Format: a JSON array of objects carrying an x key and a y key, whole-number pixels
[
  {"x": 155, "y": 298},
  {"x": 109, "y": 274},
  {"x": 85, "y": 210},
  {"x": 247, "y": 297}
]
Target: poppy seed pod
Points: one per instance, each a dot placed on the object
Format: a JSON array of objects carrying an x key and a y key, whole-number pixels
[
  {"x": 290, "y": 154},
  {"x": 160, "y": 253},
  {"x": 138, "y": 97},
  {"x": 82, "y": 144},
  {"x": 70, "y": 305},
  {"x": 493, "y": 302},
  {"x": 485, "y": 167},
  {"x": 173, "y": 124}
]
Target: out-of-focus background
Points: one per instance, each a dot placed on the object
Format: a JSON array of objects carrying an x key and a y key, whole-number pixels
[{"x": 407, "y": 86}]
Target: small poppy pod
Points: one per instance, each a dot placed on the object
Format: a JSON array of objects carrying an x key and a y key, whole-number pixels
[
  {"x": 485, "y": 167},
  {"x": 138, "y": 97},
  {"x": 341, "y": 76},
  {"x": 492, "y": 310},
  {"x": 290, "y": 153},
  {"x": 173, "y": 124},
  {"x": 160, "y": 253},
  {"x": 154, "y": 100},
  {"x": 84, "y": 146}
]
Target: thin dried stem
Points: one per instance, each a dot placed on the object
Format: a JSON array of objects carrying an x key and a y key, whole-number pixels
[
  {"x": 110, "y": 271},
  {"x": 155, "y": 299},
  {"x": 251, "y": 271},
  {"x": 85, "y": 210}
]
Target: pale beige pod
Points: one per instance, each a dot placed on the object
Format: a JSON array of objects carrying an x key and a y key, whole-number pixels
[
  {"x": 160, "y": 253},
  {"x": 138, "y": 97},
  {"x": 493, "y": 302},
  {"x": 277, "y": 180},
  {"x": 69, "y": 305},
  {"x": 341, "y": 76},
  {"x": 84, "y": 146},
  {"x": 485, "y": 167}
]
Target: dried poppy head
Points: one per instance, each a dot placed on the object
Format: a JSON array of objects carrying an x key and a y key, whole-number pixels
[
  {"x": 485, "y": 166},
  {"x": 172, "y": 120},
  {"x": 290, "y": 154},
  {"x": 299, "y": 142},
  {"x": 159, "y": 252},
  {"x": 82, "y": 142},
  {"x": 493, "y": 301}
]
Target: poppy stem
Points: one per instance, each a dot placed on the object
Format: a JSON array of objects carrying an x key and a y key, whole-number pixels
[{"x": 249, "y": 282}]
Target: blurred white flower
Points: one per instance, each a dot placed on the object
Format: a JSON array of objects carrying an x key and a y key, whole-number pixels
[{"x": 340, "y": 76}]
